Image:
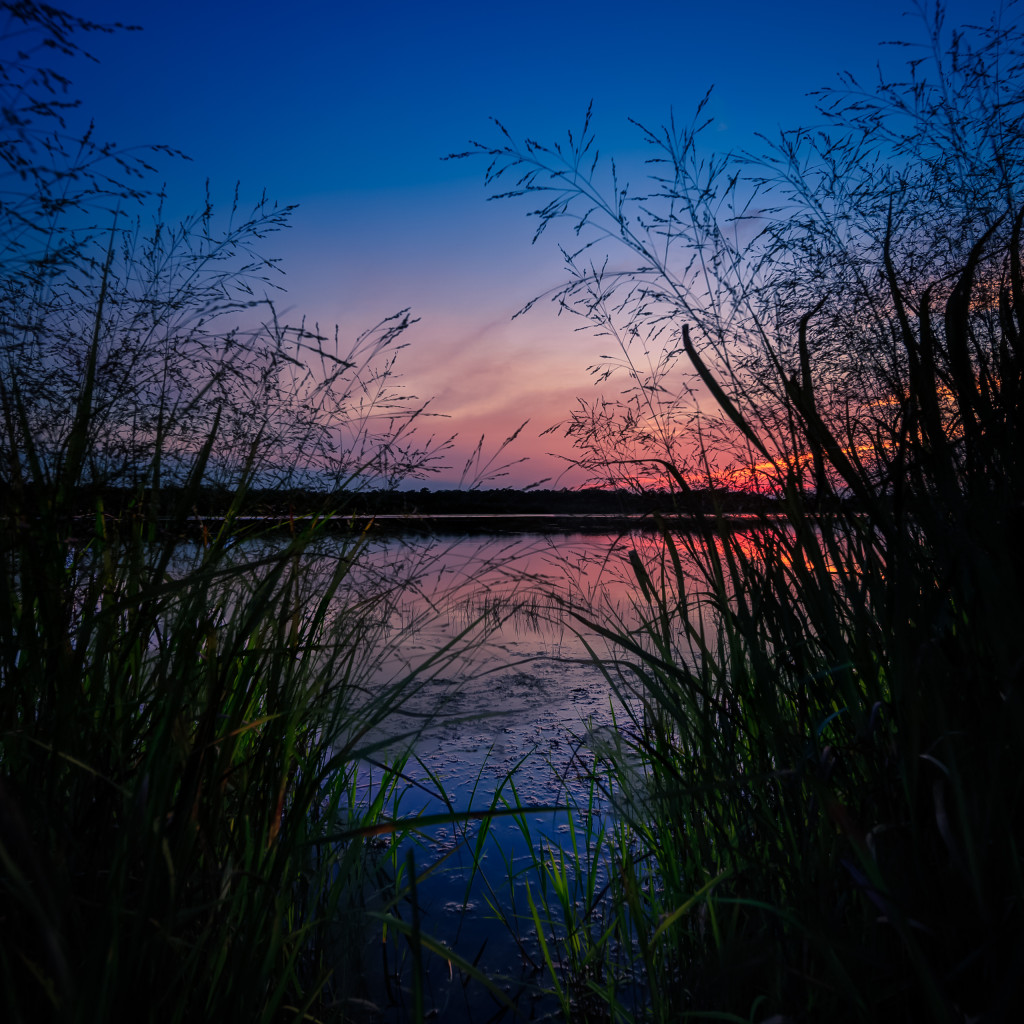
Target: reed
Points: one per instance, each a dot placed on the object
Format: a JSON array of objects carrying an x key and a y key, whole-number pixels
[
  {"x": 173, "y": 748},
  {"x": 184, "y": 704},
  {"x": 818, "y": 777},
  {"x": 815, "y": 771}
]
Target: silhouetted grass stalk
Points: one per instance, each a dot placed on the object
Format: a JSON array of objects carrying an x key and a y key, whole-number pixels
[
  {"x": 819, "y": 794},
  {"x": 181, "y": 834}
]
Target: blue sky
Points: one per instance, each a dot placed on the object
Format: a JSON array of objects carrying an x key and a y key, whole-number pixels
[{"x": 347, "y": 109}]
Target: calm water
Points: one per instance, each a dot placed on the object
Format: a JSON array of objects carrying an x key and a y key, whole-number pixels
[
  {"x": 515, "y": 707},
  {"x": 503, "y": 699}
]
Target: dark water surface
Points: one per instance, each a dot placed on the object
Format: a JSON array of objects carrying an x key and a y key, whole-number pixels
[{"x": 518, "y": 710}]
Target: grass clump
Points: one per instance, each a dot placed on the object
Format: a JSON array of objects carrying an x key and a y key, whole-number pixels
[
  {"x": 179, "y": 730},
  {"x": 182, "y": 836},
  {"x": 820, "y": 780}
]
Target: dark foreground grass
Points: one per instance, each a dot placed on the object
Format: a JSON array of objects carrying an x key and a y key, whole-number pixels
[
  {"x": 182, "y": 837},
  {"x": 818, "y": 773},
  {"x": 820, "y": 793},
  {"x": 178, "y": 812}
]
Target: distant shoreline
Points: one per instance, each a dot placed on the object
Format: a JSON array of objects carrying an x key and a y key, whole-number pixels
[
  {"x": 545, "y": 522},
  {"x": 478, "y": 524},
  {"x": 204, "y": 513}
]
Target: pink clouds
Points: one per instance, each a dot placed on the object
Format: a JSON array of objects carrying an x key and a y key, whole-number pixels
[{"x": 489, "y": 380}]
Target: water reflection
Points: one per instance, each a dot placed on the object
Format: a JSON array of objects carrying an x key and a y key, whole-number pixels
[
  {"x": 503, "y": 722},
  {"x": 505, "y": 611}
]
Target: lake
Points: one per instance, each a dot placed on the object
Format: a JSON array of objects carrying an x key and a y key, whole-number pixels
[{"x": 515, "y": 705}]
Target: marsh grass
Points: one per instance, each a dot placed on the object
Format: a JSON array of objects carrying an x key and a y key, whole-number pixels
[
  {"x": 186, "y": 704},
  {"x": 175, "y": 750},
  {"x": 818, "y": 778},
  {"x": 182, "y": 721},
  {"x": 819, "y": 775}
]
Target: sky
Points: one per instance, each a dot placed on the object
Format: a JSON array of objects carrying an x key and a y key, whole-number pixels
[{"x": 347, "y": 109}]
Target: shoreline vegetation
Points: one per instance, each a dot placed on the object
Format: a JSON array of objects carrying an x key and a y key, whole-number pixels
[
  {"x": 809, "y": 805},
  {"x": 383, "y": 512}
]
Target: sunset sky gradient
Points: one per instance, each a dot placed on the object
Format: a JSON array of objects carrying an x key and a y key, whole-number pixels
[{"x": 347, "y": 109}]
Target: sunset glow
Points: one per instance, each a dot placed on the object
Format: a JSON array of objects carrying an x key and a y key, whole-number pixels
[{"x": 348, "y": 111}]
